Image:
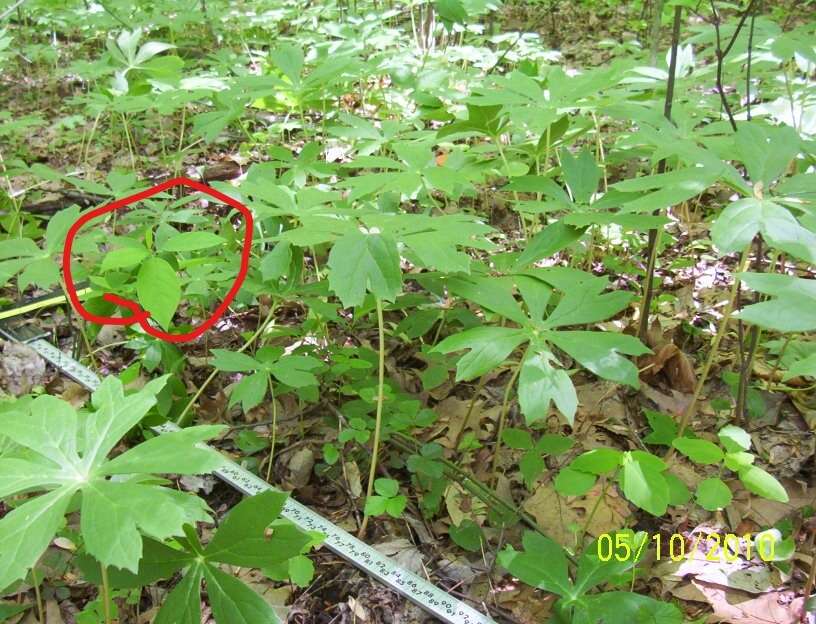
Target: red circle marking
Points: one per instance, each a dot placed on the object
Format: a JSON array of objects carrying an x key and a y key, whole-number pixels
[{"x": 138, "y": 315}]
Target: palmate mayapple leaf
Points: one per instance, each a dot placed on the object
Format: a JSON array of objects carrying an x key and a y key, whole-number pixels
[
  {"x": 114, "y": 416},
  {"x": 161, "y": 454},
  {"x": 736, "y": 227},
  {"x": 585, "y": 302},
  {"x": 66, "y": 452},
  {"x": 361, "y": 262},
  {"x": 488, "y": 348},
  {"x": 791, "y": 308},
  {"x": 115, "y": 515},
  {"x": 600, "y": 353},
  {"x": 20, "y": 475},
  {"x": 26, "y": 531},
  {"x": 540, "y": 383}
]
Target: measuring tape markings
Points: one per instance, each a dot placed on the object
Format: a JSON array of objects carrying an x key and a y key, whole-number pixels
[{"x": 424, "y": 594}]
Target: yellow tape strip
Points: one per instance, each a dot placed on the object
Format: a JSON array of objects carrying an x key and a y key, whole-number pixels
[{"x": 38, "y": 305}]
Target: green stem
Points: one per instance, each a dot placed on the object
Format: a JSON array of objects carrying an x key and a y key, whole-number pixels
[
  {"x": 183, "y": 419},
  {"x": 378, "y": 422},
  {"x": 105, "y": 595},
  {"x": 503, "y": 417},
  {"x": 712, "y": 354},
  {"x": 274, "y": 436},
  {"x": 37, "y": 595}
]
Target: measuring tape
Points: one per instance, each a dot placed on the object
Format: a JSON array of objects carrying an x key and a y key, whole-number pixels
[{"x": 424, "y": 594}]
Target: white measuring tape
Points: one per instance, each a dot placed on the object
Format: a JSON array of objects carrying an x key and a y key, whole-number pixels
[{"x": 435, "y": 601}]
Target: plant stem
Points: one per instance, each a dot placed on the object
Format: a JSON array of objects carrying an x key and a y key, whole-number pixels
[
  {"x": 105, "y": 591},
  {"x": 37, "y": 595},
  {"x": 654, "y": 233},
  {"x": 183, "y": 419},
  {"x": 746, "y": 365},
  {"x": 503, "y": 417},
  {"x": 654, "y": 35},
  {"x": 378, "y": 422},
  {"x": 274, "y": 429},
  {"x": 715, "y": 345}
]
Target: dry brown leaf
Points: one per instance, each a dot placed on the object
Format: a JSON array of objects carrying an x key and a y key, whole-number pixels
[
  {"x": 764, "y": 512},
  {"x": 561, "y": 515},
  {"x": 737, "y": 607}
]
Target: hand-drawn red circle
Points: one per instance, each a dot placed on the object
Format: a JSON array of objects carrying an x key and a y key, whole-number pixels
[{"x": 139, "y": 315}]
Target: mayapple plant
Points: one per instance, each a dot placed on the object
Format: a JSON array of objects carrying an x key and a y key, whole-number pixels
[{"x": 61, "y": 455}]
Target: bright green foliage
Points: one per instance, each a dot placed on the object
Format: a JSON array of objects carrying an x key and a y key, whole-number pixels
[
  {"x": 388, "y": 500},
  {"x": 159, "y": 290},
  {"x": 541, "y": 381},
  {"x": 543, "y": 564},
  {"x": 250, "y": 536},
  {"x": 361, "y": 262},
  {"x": 65, "y": 456}
]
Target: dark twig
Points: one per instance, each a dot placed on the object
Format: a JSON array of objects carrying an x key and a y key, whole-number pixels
[
  {"x": 748, "y": 95},
  {"x": 722, "y": 53},
  {"x": 648, "y": 293}
]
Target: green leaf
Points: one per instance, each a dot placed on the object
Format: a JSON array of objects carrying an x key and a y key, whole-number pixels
[
  {"x": 517, "y": 438},
  {"x": 451, "y": 11},
  {"x": 250, "y": 391},
  {"x": 679, "y": 493},
  {"x": 386, "y": 487},
  {"x": 241, "y": 539},
  {"x": 664, "y": 428},
  {"x": 542, "y": 564},
  {"x": 301, "y": 571},
  {"x": 234, "y": 361},
  {"x": 19, "y": 475},
  {"x": 552, "y": 239},
  {"x": 115, "y": 415},
  {"x": 581, "y": 173},
  {"x": 359, "y": 262},
  {"x": 734, "y": 438},
  {"x": 183, "y": 604},
  {"x": 293, "y": 370},
  {"x": 158, "y": 561},
  {"x": 124, "y": 258},
  {"x": 583, "y": 303},
  {"x": 554, "y": 444},
  {"x": 620, "y": 607},
  {"x": 375, "y": 505},
  {"x": 597, "y": 461},
  {"x": 570, "y": 482},
  {"x": 8, "y": 609},
  {"x": 699, "y": 451},
  {"x": 159, "y": 290},
  {"x": 736, "y": 227},
  {"x": 539, "y": 383},
  {"x": 276, "y": 262},
  {"x": 115, "y": 514},
  {"x": 766, "y": 150},
  {"x": 177, "y": 452},
  {"x": 756, "y": 480},
  {"x": 489, "y": 347},
  {"x": 644, "y": 486},
  {"x": 712, "y": 494},
  {"x": 192, "y": 241},
  {"x": 234, "y": 602},
  {"x": 494, "y": 294},
  {"x": 792, "y": 310},
  {"x": 803, "y": 367},
  {"x": 26, "y": 531},
  {"x": 599, "y": 352},
  {"x": 467, "y": 535},
  {"x": 530, "y": 466}
]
